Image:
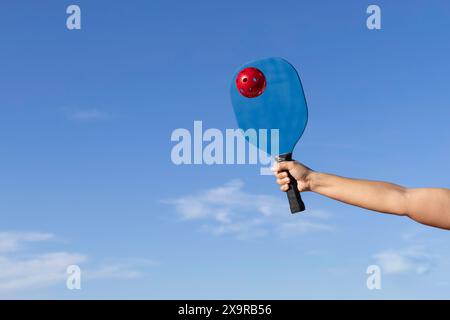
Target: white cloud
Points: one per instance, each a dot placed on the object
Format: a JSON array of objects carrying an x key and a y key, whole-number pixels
[
  {"x": 244, "y": 229},
  {"x": 410, "y": 260},
  {"x": 301, "y": 227},
  {"x": 131, "y": 270},
  {"x": 112, "y": 272},
  {"x": 228, "y": 209},
  {"x": 13, "y": 241},
  {"x": 35, "y": 272},
  {"x": 22, "y": 270}
]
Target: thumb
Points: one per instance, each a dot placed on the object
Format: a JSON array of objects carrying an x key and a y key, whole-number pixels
[{"x": 283, "y": 166}]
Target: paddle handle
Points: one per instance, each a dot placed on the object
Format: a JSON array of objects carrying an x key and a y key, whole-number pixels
[{"x": 295, "y": 200}]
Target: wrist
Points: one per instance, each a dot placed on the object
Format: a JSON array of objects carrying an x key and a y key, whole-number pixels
[{"x": 312, "y": 180}]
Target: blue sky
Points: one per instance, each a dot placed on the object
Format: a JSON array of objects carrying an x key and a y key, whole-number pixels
[{"x": 86, "y": 176}]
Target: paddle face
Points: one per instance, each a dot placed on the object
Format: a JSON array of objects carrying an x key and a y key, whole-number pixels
[{"x": 279, "y": 102}]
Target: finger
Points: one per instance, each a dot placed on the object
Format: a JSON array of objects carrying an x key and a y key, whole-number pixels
[
  {"x": 282, "y": 175},
  {"x": 284, "y": 187},
  {"x": 283, "y": 181},
  {"x": 275, "y": 168},
  {"x": 283, "y": 166}
]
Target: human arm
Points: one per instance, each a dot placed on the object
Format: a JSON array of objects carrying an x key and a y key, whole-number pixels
[{"x": 430, "y": 206}]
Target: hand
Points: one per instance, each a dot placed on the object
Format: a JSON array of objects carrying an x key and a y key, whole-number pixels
[{"x": 297, "y": 170}]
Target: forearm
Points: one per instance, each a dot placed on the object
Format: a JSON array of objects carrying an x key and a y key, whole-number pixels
[
  {"x": 372, "y": 195},
  {"x": 428, "y": 206}
]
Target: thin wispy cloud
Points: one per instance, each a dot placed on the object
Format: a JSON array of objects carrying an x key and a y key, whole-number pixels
[
  {"x": 415, "y": 260},
  {"x": 230, "y": 210},
  {"x": 289, "y": 229},
  {"x": 37, "y": 271},
  {"x": 13, "y": 241},
  {"x": 22, "y": 270},
  {"x": 89, "y": 114},
  {"x": 131, "y": 269}
]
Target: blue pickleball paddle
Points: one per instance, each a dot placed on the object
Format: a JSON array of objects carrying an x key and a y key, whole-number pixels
[{"x": 268, "y": 94}]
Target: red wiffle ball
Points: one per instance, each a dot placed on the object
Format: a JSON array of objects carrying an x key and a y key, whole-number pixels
[{"x": 251, "y": 82}]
